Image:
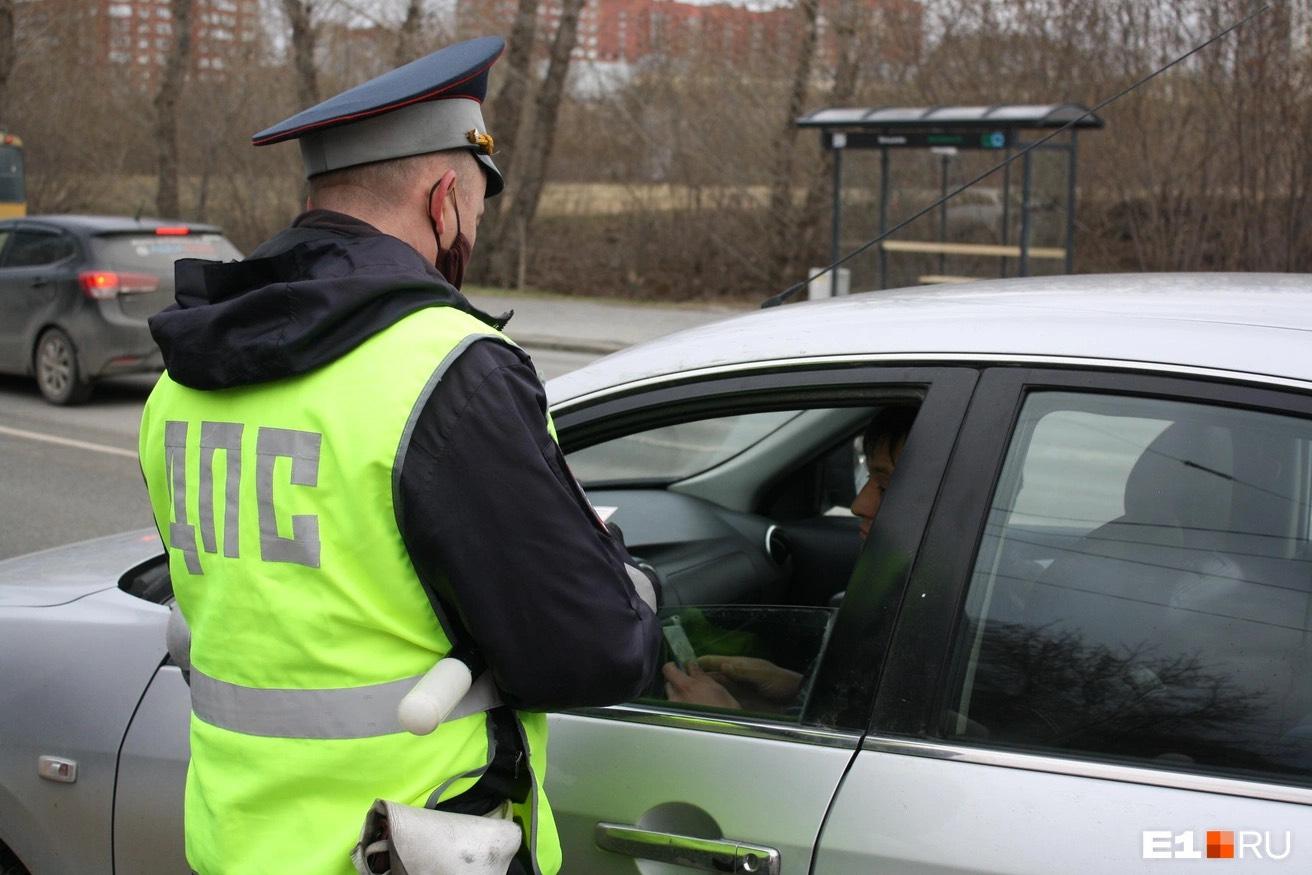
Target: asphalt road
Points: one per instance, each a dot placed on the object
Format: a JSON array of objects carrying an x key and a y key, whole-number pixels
[{"x": 71, "y": 473}]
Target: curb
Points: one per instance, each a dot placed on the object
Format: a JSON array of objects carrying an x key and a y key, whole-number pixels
[{"x": 567, "y": 344}]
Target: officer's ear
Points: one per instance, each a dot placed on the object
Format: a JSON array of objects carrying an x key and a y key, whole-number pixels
[{"x": 437, "y": 201}]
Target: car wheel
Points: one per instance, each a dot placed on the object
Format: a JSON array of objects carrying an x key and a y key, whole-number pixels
[{"x": 57, "y": 373}]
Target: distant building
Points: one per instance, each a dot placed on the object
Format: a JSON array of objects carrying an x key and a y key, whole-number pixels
[
  {"x": 626, "y": 32},
  {"x": 136, "y": 35}
]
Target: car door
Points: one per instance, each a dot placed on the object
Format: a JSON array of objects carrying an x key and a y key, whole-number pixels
[
  {"x": 658, "y": 785},
  {"x": 1103, "y": 657},
  {"x": 35, "y": 283},
  {"x": 152, "y": 778},
  {"x": 8, "y": 306}
]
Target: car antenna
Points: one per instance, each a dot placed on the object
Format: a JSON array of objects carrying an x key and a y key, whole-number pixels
[
  {"x": 136, "y": 217},
  {"x": 788, "y": 293}
]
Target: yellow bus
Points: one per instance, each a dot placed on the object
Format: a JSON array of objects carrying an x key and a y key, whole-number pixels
[{"x": 13, "y": 183}]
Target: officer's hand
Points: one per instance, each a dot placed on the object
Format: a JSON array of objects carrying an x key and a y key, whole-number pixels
[{"x": 696, "y": 687}]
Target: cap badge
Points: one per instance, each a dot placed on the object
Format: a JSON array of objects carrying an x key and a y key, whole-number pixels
[{"x": 484, "y": 142}]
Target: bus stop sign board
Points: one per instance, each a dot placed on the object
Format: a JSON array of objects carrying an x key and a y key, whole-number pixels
[{"x": 981, "y": 138}]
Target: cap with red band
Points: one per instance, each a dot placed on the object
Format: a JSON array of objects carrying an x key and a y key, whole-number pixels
[{"x": 429, "y": 105}]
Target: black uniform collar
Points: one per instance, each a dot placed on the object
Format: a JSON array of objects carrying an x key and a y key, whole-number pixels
[{"x": 302, "y": 299}]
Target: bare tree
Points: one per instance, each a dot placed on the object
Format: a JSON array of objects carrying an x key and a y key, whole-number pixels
[
  {"x": 686, "y": 179},
  {"x": 408, "y": 34},
  {"x": 851, "y": 20},
  {"x": 507, "y": 109},
  {"x": 1052, "y": 686},
  {"x": 783, "y": 215},
  {"x": 7, "y": 55},
  {"x": 300, "y": 14},
  {"x": 166, "y": 108},
  {"x": 532, "y": 169}
]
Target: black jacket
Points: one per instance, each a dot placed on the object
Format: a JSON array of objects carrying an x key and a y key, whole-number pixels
[{"x": 497, "y": 528}]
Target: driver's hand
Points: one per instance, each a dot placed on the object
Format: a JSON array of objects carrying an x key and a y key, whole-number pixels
[
  {"x": 778, "y": 685},
  {"x": 696, "y": 687}
]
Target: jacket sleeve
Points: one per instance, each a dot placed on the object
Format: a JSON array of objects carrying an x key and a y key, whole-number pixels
[{"x": 498, "y": 528}]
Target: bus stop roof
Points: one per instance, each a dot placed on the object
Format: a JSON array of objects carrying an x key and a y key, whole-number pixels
[{"x": 1052, "y": 115}]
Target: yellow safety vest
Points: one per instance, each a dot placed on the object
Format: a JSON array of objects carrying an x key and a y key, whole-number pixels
[{"x": 279, "y": 504}]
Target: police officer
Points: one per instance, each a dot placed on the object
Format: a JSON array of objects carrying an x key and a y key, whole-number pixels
[{"x": 354, "y": 472}]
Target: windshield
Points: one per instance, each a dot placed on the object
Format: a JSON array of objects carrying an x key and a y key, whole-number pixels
[
  {"x": 151, "y": 254},
  {"x": 674, "y": 452}
]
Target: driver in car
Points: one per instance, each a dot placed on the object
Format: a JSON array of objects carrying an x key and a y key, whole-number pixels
[{"x": 748, "y": 682}]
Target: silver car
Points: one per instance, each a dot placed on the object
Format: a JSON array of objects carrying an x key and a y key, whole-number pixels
[{"x": 1077, "y": 637}]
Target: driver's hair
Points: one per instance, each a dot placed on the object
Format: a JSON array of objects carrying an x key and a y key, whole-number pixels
[{"x": 891, "y": 424}]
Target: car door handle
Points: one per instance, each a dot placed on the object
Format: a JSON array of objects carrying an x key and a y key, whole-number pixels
[
  {"x": 709, "y": 855},
  {"x": 39, "y": 282}
]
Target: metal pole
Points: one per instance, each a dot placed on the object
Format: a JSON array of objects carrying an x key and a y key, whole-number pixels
[
  {"x": 1027, "y": 183},
  {"x": 1070, "y": 203},
  {"x": 883, "y": 215},
  {"x": 836, "y": 243},
  {"x": 943, "y": 213},
  {"x": 1006, "y": 208}
]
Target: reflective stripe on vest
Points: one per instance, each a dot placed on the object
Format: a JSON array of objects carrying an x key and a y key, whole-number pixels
[{"x": 346, "y": 712}]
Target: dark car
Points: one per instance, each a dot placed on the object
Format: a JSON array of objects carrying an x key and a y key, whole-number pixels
[{"x": 76, "y": 291}]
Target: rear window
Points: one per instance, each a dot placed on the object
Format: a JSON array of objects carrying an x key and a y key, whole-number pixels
[{"x": 151, "y": 254}]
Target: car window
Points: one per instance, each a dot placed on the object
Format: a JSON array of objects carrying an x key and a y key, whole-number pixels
[
  {"x": 31, "y": 248},
  {"x": 150, "y": 253},
  {"x": 746, "y": 539},
  {"x": 1143, "y": 591}
]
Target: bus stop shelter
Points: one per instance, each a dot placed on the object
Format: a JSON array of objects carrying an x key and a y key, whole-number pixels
[{"x": 946, "y": 130}]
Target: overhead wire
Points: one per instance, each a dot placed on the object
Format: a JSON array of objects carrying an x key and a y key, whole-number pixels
[{"x": 787, "y": 294}]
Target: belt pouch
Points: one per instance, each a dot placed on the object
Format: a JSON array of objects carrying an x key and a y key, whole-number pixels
[{"x": 405, "y": 840}]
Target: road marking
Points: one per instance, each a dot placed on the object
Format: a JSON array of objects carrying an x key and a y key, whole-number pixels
[{"x": 68, "y": 442}]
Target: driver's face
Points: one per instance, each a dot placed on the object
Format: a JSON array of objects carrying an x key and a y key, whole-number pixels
[{"x": 879, "y": 463}]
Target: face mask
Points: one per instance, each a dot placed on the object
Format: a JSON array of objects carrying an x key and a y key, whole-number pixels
[{"x": 450, "y": 262}]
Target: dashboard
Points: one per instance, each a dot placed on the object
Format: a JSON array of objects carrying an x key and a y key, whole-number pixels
[{"x": 704, "y": 554}]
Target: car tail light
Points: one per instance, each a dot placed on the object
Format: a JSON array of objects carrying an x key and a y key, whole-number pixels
[
  {"x": 104, "y": 285},
  {"x": 172, "y": 231}
]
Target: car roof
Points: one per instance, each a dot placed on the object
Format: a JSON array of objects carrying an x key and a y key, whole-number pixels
[
  {"x": 90, "y": 224},
  {"x": 1244, "y": 322}
]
